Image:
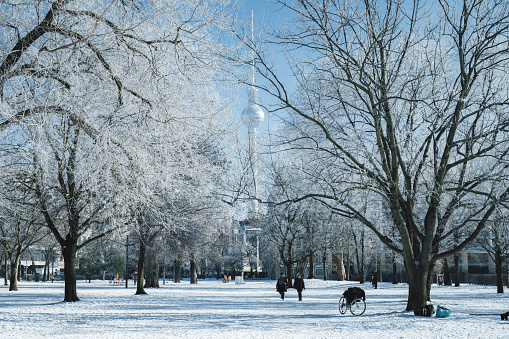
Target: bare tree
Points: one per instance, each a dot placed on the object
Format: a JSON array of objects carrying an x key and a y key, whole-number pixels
[
  {"x": 284, "y": 228},
  {"x": 408, "y": 107},
  {"x": 49, "y": 254},
  {"x": 20, "y": 228},
  {"x": 495, "y": 240},
  {"x": 75, "y": 203},
  {"x": 340, "y": 245},
  {"x": 125, "y": 75}
]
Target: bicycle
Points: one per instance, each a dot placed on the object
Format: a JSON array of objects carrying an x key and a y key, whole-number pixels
[{"x": 357, "y": 305}]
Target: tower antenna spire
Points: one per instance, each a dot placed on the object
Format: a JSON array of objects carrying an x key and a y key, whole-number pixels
[
  {"x": 252, "y": 50},
  {"x": 252, "y": 117}
]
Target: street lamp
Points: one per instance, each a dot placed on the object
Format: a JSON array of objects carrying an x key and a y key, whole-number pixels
[
  {"x": 126, "y": 260},
  {"x": 257, "y": 254}
]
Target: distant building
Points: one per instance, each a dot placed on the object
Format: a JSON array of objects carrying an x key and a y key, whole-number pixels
[
  {"x": 31, "y": 265},
  {"x": 248, "y": 232}
]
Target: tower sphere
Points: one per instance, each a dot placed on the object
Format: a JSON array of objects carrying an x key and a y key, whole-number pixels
[{"x": 252, "y": 116}]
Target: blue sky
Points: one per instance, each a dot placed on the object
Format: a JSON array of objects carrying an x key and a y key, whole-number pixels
[
  {"x": 265, "y": 13},
  {"x": 263, "y": 10}
]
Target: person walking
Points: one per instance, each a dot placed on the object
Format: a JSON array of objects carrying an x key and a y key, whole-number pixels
[
  {"x": 282, "y": 285},
  {"x": 299, "y": 285}
]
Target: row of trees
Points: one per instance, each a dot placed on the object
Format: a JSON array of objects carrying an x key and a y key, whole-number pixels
[
  {"x": 401, "y": 107},
  {"x": 111, "y": 122}
]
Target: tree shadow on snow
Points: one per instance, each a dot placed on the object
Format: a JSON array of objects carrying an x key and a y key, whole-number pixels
[
  {"x": 381, "y": 314},
  {"x": 52, "y": 303}
]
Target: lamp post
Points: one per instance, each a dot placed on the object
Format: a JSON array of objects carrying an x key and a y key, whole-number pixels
[
  {"x": 126, "y": 260},
  {"x": 164, "y": 269},
  {"x": 257, "y": 254}
]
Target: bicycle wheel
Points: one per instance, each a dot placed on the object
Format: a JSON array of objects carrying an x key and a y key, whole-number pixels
[
  {"x": 357, "y": 307},
  {"x": 342, "y": 305}
]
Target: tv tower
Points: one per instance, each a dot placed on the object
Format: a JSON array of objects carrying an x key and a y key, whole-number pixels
[{"x": 252, "y": 117}]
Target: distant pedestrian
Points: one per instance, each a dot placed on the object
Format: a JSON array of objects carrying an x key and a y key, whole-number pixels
[
  {"x": 374, "y": 279},
  {"x": 282, "y": 285},
  {"x": 299, "y": 285}
]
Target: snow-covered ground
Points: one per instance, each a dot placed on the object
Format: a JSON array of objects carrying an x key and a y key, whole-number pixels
[{"x": 212, "y": 309}]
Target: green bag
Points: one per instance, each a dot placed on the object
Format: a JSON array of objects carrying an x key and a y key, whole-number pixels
[{"x": 443, "y": 312}]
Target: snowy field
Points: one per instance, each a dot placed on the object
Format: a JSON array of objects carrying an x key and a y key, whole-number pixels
[{"x": 212, "y": 309}]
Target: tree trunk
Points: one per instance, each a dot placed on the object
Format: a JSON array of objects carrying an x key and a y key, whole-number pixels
[
  {"x": 324, "y": 262},
  {"x": 6, "y": 271},
  {"x": 340, "y": 267},
  {"x": 429, "y": 281},
  {"x": 141, "y": 266},
  {"x": 447, "y": 273},
  {"x": 193, "y": 277},
  {"x": 394, "y": 270},
  {"x": 359, "y": 254},
  {"x": 177, "y": 272},
  {"x": 46, "y": 267},
  {"x": 151, "y": 269},
  {"x": 498, "y": 271},
  {"x": 348, "y": 266},
  {"x": 311, "y": 274},
  {"x": 273, "y": 270},
  {"x": 417, "y": 288},
  {"x": 13, "y": 279},
  {"x": 69, "y": 250},
  {"x": 506, "y": 269},
  {"x": 456, "y": 270},
  {"x": 289, "y": 273}
]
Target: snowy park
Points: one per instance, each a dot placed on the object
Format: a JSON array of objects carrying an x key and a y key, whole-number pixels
[
  {"x": 212, "y": 309},
  {"x": 346, "y": 141}
]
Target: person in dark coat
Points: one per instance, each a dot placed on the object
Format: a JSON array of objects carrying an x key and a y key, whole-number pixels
[
  {"x": 282, "y": 285},
  {"x": 299, "y": 285},
  {"x": 374, "y": 278}
]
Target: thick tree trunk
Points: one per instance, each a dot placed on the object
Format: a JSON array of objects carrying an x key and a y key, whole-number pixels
[
  {"x": 311, "y": 274},
  {"x": 46, "y": 267},
  {"x": 498, "y": 271},
  {"x": 289, "y": 273},
  {"x": 506, "y": 269},
  {"x": 417, "y": 288},
  {"x": 69, "y": 253},
  {"x": 429, "y": 281},
  {"x": 13, "y": 279},
  {"x": 151, "y": 269},
  {"x": 340, "y": 267},
  {"x": 193, "y": 277},
  {"x": 456, "y": 270},
  {"x": 447, "y": 273},
  {"x": 141, "y": 267},
  {"x": 177, "y": 272},
  {"x": 6, "y": 271},
  {"x": 394, "y": 270}
]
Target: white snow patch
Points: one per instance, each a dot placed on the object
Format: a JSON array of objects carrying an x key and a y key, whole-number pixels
[{"x": 212, "y": 309}]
